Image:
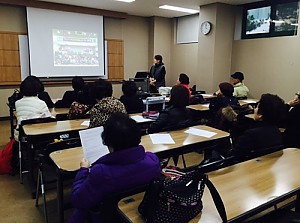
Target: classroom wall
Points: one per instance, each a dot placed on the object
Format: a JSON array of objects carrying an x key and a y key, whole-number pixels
[{"x": 269, "y": 64}]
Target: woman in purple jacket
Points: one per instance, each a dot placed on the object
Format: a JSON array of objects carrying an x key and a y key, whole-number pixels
[{"x": 125, "y": 167}]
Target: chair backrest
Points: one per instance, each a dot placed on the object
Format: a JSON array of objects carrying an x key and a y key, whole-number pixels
[
  {"x": 155, "y": 100},
  {"x": 37, "y": 120},
  {"x": 257, "y": 153},
  {"x": 55, "y": 146}
]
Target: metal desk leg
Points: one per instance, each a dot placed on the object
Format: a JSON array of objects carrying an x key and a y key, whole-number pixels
[
  {"x": 60, "y": 197},
  {"x": 31, "y": 180},
  {"x": 11, "y": 119}
]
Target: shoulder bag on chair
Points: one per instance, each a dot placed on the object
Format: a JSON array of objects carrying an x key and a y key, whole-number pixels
[{"x": 178, "y": 200}]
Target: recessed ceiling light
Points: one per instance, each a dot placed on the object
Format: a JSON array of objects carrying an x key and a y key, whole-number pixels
[
  {"x": 125, "y": 1},
  {"x": 179, "y": 9}
]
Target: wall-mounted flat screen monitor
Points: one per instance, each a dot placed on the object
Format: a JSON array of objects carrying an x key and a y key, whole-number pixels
[{"x": 258, "y": 20}]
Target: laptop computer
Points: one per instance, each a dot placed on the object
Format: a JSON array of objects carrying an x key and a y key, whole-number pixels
[{"x": 141, "y": 74}]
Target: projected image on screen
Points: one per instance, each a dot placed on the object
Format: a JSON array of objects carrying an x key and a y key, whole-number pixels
[
  {"x": 258, "y": 20},
  {"x": 75, "y": 48}
]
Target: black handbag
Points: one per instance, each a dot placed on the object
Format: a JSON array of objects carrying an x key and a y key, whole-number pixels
[
  {"x": 13, "y": 98},
  {"x": 178, "y": 200}
]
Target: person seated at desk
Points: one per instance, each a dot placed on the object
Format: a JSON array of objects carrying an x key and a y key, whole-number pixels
[
  {"x": 85, "y": 101},
  {"x": 126, "y": 166},
  {"x": 264, "y": 132},
  {"x": 224, "y": 98},
  {"x": 106, "y": 103},
  {"x": 42, "y": 94},
  {"x": 176, "y": 115},
  {"x": 184, "y": 80},
  {"x": 29, "y": 106},
  {"x": 291, "y": 135},
  {"x": 70, "y": 96},
  {"x": 130, "y": 99},
  {"x": 240, "y": 89}
]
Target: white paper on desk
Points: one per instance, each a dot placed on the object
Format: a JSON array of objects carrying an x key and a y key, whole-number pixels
[
  {"x": 207, "y": 95},
  {"x": 205, "y": 105},
  {"x": 140, "y": 119},
  {"x": 161, "y": 138},
  {"x": 248, "y": 101},
  {"x": 92, "y": 144},
  {"x": 86, "y": 123},
  {"x": 200, "y": 132}
]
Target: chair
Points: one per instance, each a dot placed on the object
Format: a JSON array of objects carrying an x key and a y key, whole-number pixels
[
  {"x": 109, "y": 210},
  {"x": 23, "y": 140},
  {"x": 47, "y": 169},
  {"x": 155, "y": 100}
]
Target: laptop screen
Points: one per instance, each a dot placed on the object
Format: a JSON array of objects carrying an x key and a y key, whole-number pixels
[{"x": 141, "y": 74}]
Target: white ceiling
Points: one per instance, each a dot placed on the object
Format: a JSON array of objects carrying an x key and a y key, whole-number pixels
[{"x": 146, "y": 8}]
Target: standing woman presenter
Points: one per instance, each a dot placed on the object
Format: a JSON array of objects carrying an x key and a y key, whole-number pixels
[{"x": 157, "y": 74}]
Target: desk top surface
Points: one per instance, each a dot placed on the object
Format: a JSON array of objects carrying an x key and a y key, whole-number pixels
[
  {"x": 59, "y": 111},
  {"x": 69, "y": 159},
  {"x": 205, "y": 107},
  {"x": 244, "y": 186},
  {"x": 54, "y": 127}
]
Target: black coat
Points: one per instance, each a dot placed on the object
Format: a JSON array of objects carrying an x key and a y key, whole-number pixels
[
  {"x": 171, "y": 118},
  {"x": 44, "y": 96},
  {"x": 260, "y": 136},
  {"x": 133, "y": 104},
  {"x": 68, "y": 98},
  {"x": 158, "y": 72},
  {"x": 291, "y": 135}
]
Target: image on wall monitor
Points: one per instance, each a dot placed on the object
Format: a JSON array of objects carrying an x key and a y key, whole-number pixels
[
  {"x": 258, "y": 20},
  {"x": 286, "y": 17},
  {"x": 75, "y": 48}
]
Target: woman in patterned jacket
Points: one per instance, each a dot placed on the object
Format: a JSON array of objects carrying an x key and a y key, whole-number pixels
[{"x": 106, "y": 103}]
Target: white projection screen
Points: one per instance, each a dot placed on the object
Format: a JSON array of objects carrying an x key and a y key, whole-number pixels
[{"x": 65, "y": 44}]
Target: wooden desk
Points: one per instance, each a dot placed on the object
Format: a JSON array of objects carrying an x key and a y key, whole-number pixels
[
  {"x": 59, "y": 111},
  {"x": 40, "y": 129},
  {"x": 208, "y": 96},
  {"x": 246, "y": 189},
  {"x": 199, "y": 107},
  {"x": 248, "y": 101},
  {"x": 69, "y": 159},
  {"x": 205, "y": 107}
]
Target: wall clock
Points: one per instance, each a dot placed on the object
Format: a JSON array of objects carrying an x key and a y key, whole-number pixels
[{"x": 206, "y": 27}]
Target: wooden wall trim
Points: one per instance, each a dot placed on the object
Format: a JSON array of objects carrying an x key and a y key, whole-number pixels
[{"x": 66, "y": 8}]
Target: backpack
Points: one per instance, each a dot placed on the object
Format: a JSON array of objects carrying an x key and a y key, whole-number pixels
[
  {"x": 6, "y": 156},
  {"x": 13, "y": 98}
]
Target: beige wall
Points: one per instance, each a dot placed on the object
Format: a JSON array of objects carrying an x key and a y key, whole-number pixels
[
  {"x": 185, "y": 60},
  {"x": 214, "y": 49},
  {"x": 270, "y": 65},
  {"x": 13, "y": 19}
]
